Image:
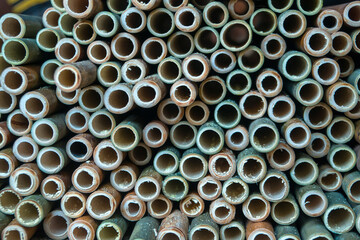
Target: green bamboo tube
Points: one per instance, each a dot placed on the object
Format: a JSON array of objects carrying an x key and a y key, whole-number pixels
[
  {"x": 4, "y": 221},
  {"x": 287, "y": 233},
  {"x": 308, "y": 91},
  {"x": 193, "y": 165},
  {"x": 339, "y": 217},
  {"x": 166, "y": 161},
  {"x": 329, "y": 179},
  {"x": 207, "y": 40},
  {"x": 263, "y": 21},
  {"x": 109, "y": 73},
  {"x": 281, "y": 6},
  {"x": 8, "y": 200},
  {"x": 47, "y": 39},
  {"x": 148, "y": 186},
  {"x": 313, "y": 228},
  {"x": 180, "y": 44},
  {"x": 275, "y": 186},
  {"x": 66, "y": 24},
  {"x": 21, "y": 51},
  {"x": 357, "y": 212},
  {"x": 312, "y": 200},
  {"x": 32, "y": 210},
  {"x": 175, "y": 187},
  {"x": 238, "y": 82},
  {"x": 47, "y": 70},
  {"x": 292, "y": 23},
  {"x": 55, "y": 224},
  {"x": 305, "y": 170},
  {"x": 106, "y": 24},
  {"x": 215, "y": 14},
  {"x": 256, "y": 208},
  {"x": 213, "y": 90},
  {"x": 232, "y": 231},
  {"x": 296, "y": 133},
  {"x": 58, "y": 5},
  {"x": 203, "y": 227},
  {"x": 341, "y": 43},
  {"x": 350, "y": 185},
  {"x": 210, "y": 138},
  {"x": 253, "y": 105},
  {"x": 49, "y": 130},
  {"x": 295, "y": 65},
  {"x": 353, "y": 79},
  {"x": 342, "y": 158},
  {"x": 341, "y": 130},
  {"x": 264, "y": 135},
  {"x": 127, "y": 134},
  {"x": 354, "y": 37},
  {"x": 169, "y": 70},
  {"x": 229, "y": 32},
  {"x": 192, "y": 205},
  {"x": 309, "y": 9},
  {"x": 286, "y": 211},
  {"x": 113, "y": 228},
  {"x": 155, "y": 21},
  {"x": 175, "y": 225},
  {"x": 348, "y": 235},
  {"x": 145, "y": 229},
  {"x": 251, "y": 59},
  {"x": 19, "y": 25},
  {"x": 251, "y": 166},
  {"x": 227, "y": 114}
]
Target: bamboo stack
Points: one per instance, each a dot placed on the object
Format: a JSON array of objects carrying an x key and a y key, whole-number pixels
[{"x": 175, "y": 120}]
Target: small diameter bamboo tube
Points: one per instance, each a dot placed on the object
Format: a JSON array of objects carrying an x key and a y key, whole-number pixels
[
  {"x": 183, "y": 135},
  {"x": 174, "y": 226},
  {"x": 222, "y": 165},
  {"x": 308, "y": 92},
  {"x": 273, "y": 46},
  {"x": 8, "y": 200},
  {"x": 83, "y": 10},
  {"x": 166, "y": 161},
  {"x": 106, "y": 156},
  {"x": 84, "y": 225},
  {"x": 141, "y": 155},
  {"x": 87, "y": 177},
  {"x": 133, "y": 20},
  {"x": 251, "y": 166},
  {"x": 296, "y": 133},
  {"x": 340, "y": 130},
  {"x": 212, "y": 90},
  {"x": 187, "y": 19},
  {"x": 215, "y": 14},
  {"x": 50, "y": 18},
  {"x": 58, "y": 5},
  {"x": 263, "y": 21},
  {"x": 127, "y": 134},
  {"x": 181, "y": 44},
  {"x": 48, "y": 131},
  {"x": 339, "y": 217},
  {"x": 197, "y": 113},
  {"x": 318, "y": 116},
  {"x": 264, "y": 136},
  {"x": 223, "y": 61},
  {"x": 15, "y": 230},
  {"x": 241, "y": 9},
  {"x": 346, "y": 64},
  {"x": 174, "y": 5},
  {"x": 19, "y": 25},
  {"x": 319, "y": 145},
  {"x": 77, "y": 120},
  {"x": 206, "y": 40},
  {"x": 8, "y": 102},
  {"x": 106, "y": 24},
  {"x": 5, "y": 135},
  {"x": 113, "y": 228},
  {"x": 330, "y": 20},
  {"x": 256, "y": 208},
  {"x": 67, "y": 50},
  {"x": 148, "y": 185},
  {"x": 124, "y": 46},
  {"x": 124, "y": 177},
  {"x": 350, "y": 185},
  {"x": 17, "y": 80},
  {"x": 275, "y": 186},
  {"x": 229, "y": 35},
  {"x": 253, "y": 105},
  {"x": 312, "y": 200},
  {"x": 169, "y": 70},
  {"x": 160, "y": 22},
  {"x": 155, "y": 134},
  {"x": 227, "y": 114},
  {"x": 101, "y": 124},
  {"x": 109, "y": 73},
  {"x": 210, "y": 138},
  {"x": 169, "y": 112},
  {"x": 47, "y": 70},
  {"x": 160, "y": 207},
  {"x": 134, "y": 71},
  {"x": 175, "y": 187},
  {"x": 269, "y": 83},
  {"x": 295, "y": 66},
  {"x": 285, "y": 212},
  {"x": 53, "y": 159},
  {"x": 53, "y": 187},
  {"x": 305, "y": 170},
  {"x": 238, "y": 82},
  {"x": 203, "y": 227},
  {"x": 118, "y": 98},
  {"x": 68, "y": 98},
  {"x": 99, "y": 52},
  {"x": 221, "y": 211},
  {"x": 292, "y": 23},
  {"x": 196, "y": 67},
  {"x": 256, "y": 230},
  {"x": 282, "y": 157},
  {"x": 326, "y": 71},
  {"x": 32, "y": 210},
  {"x": 26, "y": 179},
  {"x": 281, "y": 109},
  {"x": 341, "y": 44},
  {"x": 341, "y": 96},
  {"x": 8, "y": 162},
  {"x": 192, "y": 205},
  {"x": 21, "y": 51},
  {"x": 209, "y": 188},
  {"x": 193, "y": 165},
  {"x": 132, "y": 208},
  {"x": 73, "y": 203},
  {"x": 66, "y": 23},
  {"x": 329, "y": 179},
  {"x": 145, "y": 228},
  {"x": 118, "y": 7},
  {"x": 232, "y": 231},
  {"x": 237, "y": 138},
  {"x": 55, "y": 225},
  {"x": 47, "y": 39},
  {"x": 149, "y": 92},
  {"x": 281, "y": 6},
  {"x": 287, "y": 232},
  {"x": 251, "y": 59}
]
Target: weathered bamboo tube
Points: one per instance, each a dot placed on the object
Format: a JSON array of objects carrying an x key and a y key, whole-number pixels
[
  {"x": 106, "y": 24},
  {"x": 340, "y": 130},
  {"x": 222, "y": 61},
  {"x": 26, "y": 179},
  {"x": 101, "y": 124},
  {"x": 153, "y": 50},
  {"x": 355, "y": 40},
  {"x": 124, "y": 177},
  {"x": 232, "y": 231},
  {"x": 312, "y": 200},
  {"x": 77, "y": 120},
  {"x": 5, "y": 135},
  {"x": 48, "y": 38},
  {"x": 229, "y": 35},
  {"x": 132, "y": 208},
  {"x": 91, "y": 98},
  {"x": 313, "y": 228},
  {"x": 67, "y": 50},
  {"x": 238, "y": 82},
  {"x": 73, "y": 203},
  {"x": 193, "y": 165},
  {"x": 350, "y": 185},
  {"x": 187, "y": 19},
  {"x": 326, "y": 71},
  {"x": 148, "y": 186},
  {"x": 141, "y": 155},
  {"x": 8, "y": 102},
  {"x": 106, "y": 156},
  {"x": 209, "y": 188},
  {"x": 264, "y": 135},
  {"x": 292, "y": 24},
  {"x": 256, "y": 208},
  {"x": 118, "y": 7},
  {"x": 134, "y": 70},
  {"x": 175, "y": 187},
  {"x": 253, "y": 105},
  {"x": 285, "y": 212},
  {"x": 275, "y": 186},
  {"x": 329, "y": 179},
  {"x": 109, "y": 73},
  {"x": 118, "y": 98},
  {"x": 196, "y": 67},
  {"x": 241, "y": 9},
  {"x": 160, "y": 207},
  {"x": 8, "y": 163},
  {"x": 308, "y": 91},
  {"x": 19, "y": 25},
  {"x": 180, "y": 44},
  {"x": 169, "y": 112},
  {"x": 166, "y": 161},
  {"x": 133, "y": 20},
  {"x": 32, "y": 210},
  {"x": 210, "y": 138},
  {"x": 318, "y": 116},
  {"x": 197, "y": 113},
  {"x": 339, "y": 217},
  {"x": 48, "y": 131},
  {"x": 222, "y": 165},
  {"x": 357, "y": 212},
  {"x": 212, "y": 90},
  {"x": 127, "y": 134},
  {"x": 145, "y": 228},
  {"x": 8, "y": 200},
  {"x": 346, "y": 64},
  {"x": 113, "y": 228},
  {"x": 155, "y": 134},
  {"x": 21, "y": 51},
  {"x": 237, "y": 138},
  {"x": 99, "y": 52},
  {"x": 281, "y": 109},
  {"x": 305, "y": 170},
  {"x": 282, "y": 157},
  {"x": 17, "y": 231},
  {"x": 287, "y": 232},
  {"x": 149, "y": 92},
  {"x": 53, "y": 159},
  {"x": 309, "y": 8},
  {"x": 341, "y": 44},
  {"x": 173, "y": 5},
  {"x": 183, "y": 135},
  {"x": 348, "y": 235},
  {"x": 68, "y": 98},
  {"x": 66, "y": 23},
  {"x": 147, "y": 5},
  {"x": 53, "y": 187},
  {"x": 269, "y": 83},
  {"x": 87, "y": 177},
  {"x": 263, "y": 21},
  {"x": 160, "y": 22},
  {"x": 124, "y": 46},
  {"x": 227, "y": 114},
  {"x": 84, "y": 32},
  {"x": 47, "y": 70},
  {"x": 55, "y": 224},
  {"x": 50, "y": 18},
  {"x": 83, "y": 10},
  {"x": 295, "y": 66},
  {"x": 206, "y": 40},
  {"x": 349, "y": 13},
  {"x": 251, "y": 59},
  {"x": 192, "y": 205},
  {"x": 319, "y": 145},
  {"x": 83, "y": 227},
  {"x": 316, "y": 42},
  {"x": 174, "y": 226},
  {"x": 222, "y": 212},
  {"x": 262, "y": 230},
  {"x": 273, "y": 46},
  {"x": 251, "y": 166},
  {"x": 296, "y": 133},
  {"x": 280, "y": 6},
  {"x": 80, "y": 147},
  {"x": 330, "y": 20},
  {"x": 169, "y": 70},
  {"x": 203, "y": 227},
  {"x": 215, "y": 14},
  {"x": 353, "y": 79}
]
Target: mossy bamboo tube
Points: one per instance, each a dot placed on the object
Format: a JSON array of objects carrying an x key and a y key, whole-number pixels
[
  {"x": 197, "y": 113},
  {"x": 99, "y": 52},
  {"x": 48, "y": 131},
  {"x": 222, "y": 61},
  {"x": 275, "y": 186},
  {"x": 148, "y": 186},
  {"x": 53, "y": 187},
  {"x": 281, "y": 109},
  {"x": 227, "y": 114},
  {"x": 21, "y": 51},
  {"x": 26, "y": 179},
  {"x": 148, "y": 92},
  {"x": 8, "y": 102},
  {"x": 19, "y": 25},
  {"x": 273, "y": 46},
  {"x": 109, "y": 73},
  {"x": 222, "y": 165},
  {"x": 330, "y": 20},
  {"x": 160, "y": 207},
  {"x": 5, "y": 135},
  {"x": 153, "y": 50},
  {"x": 253, "y": 105},
  {"x": 213, "y": 90},
  {"x": 180, "y": 44},
  {"x": 251, "y": 166},
  {"x": 263, "y": 21},
  {"x": 340, "y": 130},
  {"x": 8, "y": 161},
  {"x": 173, "y": 5},
  {"x": 169, "y": 112},
  {"x": 229, "y": 35},
  {"x": 241, "y": 9},
  {"x": 292, "y": 23},
  {"x": 287, "y": 232},
  {"x": 125, "y": 46},
  {"x": 77, "y": 120},
  {"x": 169, "y": 70},
  {"x": 14, "y": 229},
  {"x": 285, "y": 212},
  {"x": 73, "y": 203},
  {"x": 313, "y": 228},
  {"x": 47, "y": 70},
  {"x": 329, "y": 179},
  {"x": 66, "y": 23},
  {"x": 269, "y": 83},
  {"x": 232, "y": 231},
  {"x": 133, "y": 20},
  {"x": 305, "y": 170},
  {"x": 106, "y": 24},
  {"x": 295, "y": 66},
  {"x": 32, "y": 210},
  {"x": 350, "y": 185},
  {"x": 80, "y": 147},
  {"x": 341, "y": 44},
  {"x": 166, "y": 161},
  {"x": 264, "y": 135},
  {"x": 308, "y": 91},
  {"x": 118, "y": 98},
  {"x": 210, "y": 138},
  {"x": 192, "y": 205},
  {"x": 55, "y": 224},
  {"x": 134, "y": 70},
  {"x": 209, "y": 188},
  {"x": 50, "y": 18},
  {"x": 312, "y": 200},
  {"x": 339, "y": 217},
  {"x": 118, "y": 7},
  {"x": 8, "y": 200},
  {"x": 251, "y": 59},
  {"x": 141, "y": 155},
  {"x": 83, "y": 10},
  {"x": 238, "y": 82},
  {"x": 114, "y": 228},
  {"x": 237, "y": 138},
  {"x": 183, "y": 135},
  {"x": 187, "y": 19},
  {"x": 296, "y": 133},
  {"x": 206, "y": 40},
  {"x": 341, "y": 96},
  {"x": 318, "y": 116},
  {"x": 160, "y": 22},
  {"x": 256, "y": 208},
  {"x": 326, "y": 71},
  {"x": 175, "y": 225},
  {"x": 255, "y": 230},
  {"x": 193, "y": 165},
  {"x": 309, "y": 9},
  {"x": 52, "y": 159},
  {"x": 145, "y": 228},
  {"x": 319, "y": 145},
  {"x": 203, "y": 226},
  {"x": 155, "y": 134},
  {"x": 84, "y": 225},
  {"x": 127, "y": 134},
  {"x": 132, "y": 208},
  {"x": 84, "y": 32},
  {"x": 68, "y": 98},
  {"x": 215, "y": 14},
  {"x": 106, "y": 156},
  {"x": 87, "y": 177},
  {"x": 124, "y": 177},
  {"x": 175, "y": 187},
  {"x": 101, "y": 124},
  {"x": 282, "y": 157},
  {"x": 47, "y": 38},
  {"x": 222, "y": 212},
  {"x": 346, "y": 64}
]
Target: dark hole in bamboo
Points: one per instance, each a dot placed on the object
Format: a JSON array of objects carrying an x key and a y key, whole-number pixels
[
  {"x": 340, "y": 43},
  {"x": 5, "y": 100},
  {"x": 154, "y": 134},
  {"x": 133, "y": 208},
  {"x": 25, "y": 149},
  {"x": 281, "y": 109},
  {"x": 67, "y": 50},
  {"x": 252, "y": 168},
  {"x": 77, "y": 120},
  {"x": 269, "y": 83},
  {"x": 261, "y": 236},
  {"x": 67, "y": 78},
  {"x": 58, "y": 225},
  {"x": 207, "y": 39},
  {"x": 78, "y": 149},
  {"x": 279, "y": 4},
  {"x": 98, "y": 52},
  {"x": 170, "y": 236},
  {"x": 146, "y": 94},
  {"x": 67, "y": 23},
  {"x": 84, "y": 31},
  {"x": 257, "y": 208},
  {"x": 14, "y": 234},
  {"x": 4, "y": 166},
  {"x": 147, "y": 189},
  {"x": 84, "y": 179},
  {"x": 175, "y": 188},
  {"x": 154, "y": 50},
  {"x": 263, "y": 21},
  {"x": 296, "y": 66},
  {"x": 223, "y": 60},
  {"x": 48, "y": 39},
  {"x": 15, "y": 51},
  {"x": 355, "y": 190},
  {"x": 340, "y": 217},
  {"x": 284, "y": 211},
  {"x": 171, "y": 111},
  {"x": 80, "y": 232},
  {"x": 237, "y": 137},
  {"x": 354, "y": 13},
  {"x": 197, "y": 113},
  {"x": 222, "y": 212},
  {"x": 161, "y": 22},
  {"x": 304, "y": 171},
  {"x": 344, "y": 96},
  {"x": 23, "y": 181},
  {"x": 108, "y": 232},
  {"x": 318, "y": 145},
  {"x": 236, "y": 35},
  {"x": 123, "y": 178},
  {"x": 264, "y": 136},
  {"x": 292, "y": 23},
  {"x": 330, "y": 21},
  {"x": 105, "y": 23},
  {"x": 109, "y": 74},
  {"x": 182, "y": 93},
  {"x": 186, "y": 18},
  {"x": 318, "y": 42},
  {"x": 234, "y": 191},
  {"x": 201, "y": 3},
  {"x": 253, "y": 105},
  {"x": 175, "y": 3},
  {"x": 215, "y": 14},
  {"x": 100, "y": 204},
  {"x": 13, "y": 79},
  {"x": 44, "y": 132},
  {"x": 101, "y": 123},
  {"x": 193, "y": 167},
  {"x": 209, "y": 139},
  {"x": 314, "y": 203},
  {"x": 330, "y": 180},
  {"x": 281, "y": 156},
  {"x": 140, "y": 153},
  {"x": 195, "y": 68},
  {"x": 241, "y": 7},
  {"x": 124, "y": 137},
  {"x": 273, "y": 46},
  {"x": 318, "y": 115},
  {"x": 50, "y": 160},
  {"x": 159, "y": 206},
  {"x": 227, "y": 114},
  {"x": 118, "y": 98},
  {"x": 169, "y": 70},
  {"x": 165, "y": 161},
  {"x": 51, "y": 187},
  {"x": 91, "y": 98},
  {"x": 124, "y": 46},
  {"x": 133, "y": 72},
  {"x": 232, "y": 233},
  {"x": 309, "y": 6},
  {"x": 298, "y": 135},
  {"x": 181, "y": 44},
  {"x": 342, "y": 158},
  {"x": 209, "y": 189},
  {"x": 327, "y": 70},
  {"x": 11, "y": 27},
  {"x": 133, "y": 20},
  {"x": 52, "y": 18},
  {"x": 34, "y": 105},
  {"x": 78, "y": 6},
  {"x": 340, "y": 129},
  {"x": 212, "y": 90},
  {"x": 9, "y": 200},
  {"x": 239, "y": 82}
]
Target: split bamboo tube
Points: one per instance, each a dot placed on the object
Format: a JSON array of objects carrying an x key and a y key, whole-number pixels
[
  {"x": 193, "y": 165},
  {"x": 26, "y": 179},
  {"x": 282, "y": 157},
  {"x": 286, "y": 211},
  {"x": 305, "y": 170},
  {"x": 145, "y": 228},
  {"x": 192, "y": 205},
  {"x": 55, "y": 224},
  {"x": 19, "y": 26},
  {"x": 160, "y": 207},
  {"x": 53, "y": 159},
  {"x": 54, "y": 187},
  {"x": 132, "y": 208},
  {"x": 141, "y": 155},
  {"x": 31, "y": 210},
  {"x": 8, "y": 200},
  {"x": 124, "y": 177},
  {"x": 203, "y": 227},
  {"x": 329, "y": 179},
  {"x": 83, "y": 227},
  {"x": 256, "y": 208},
  {"x": 312, "y": 200},
  {"x": 73, "y": 203},
  {"x": 256, "y": 230},
  {"x": 251, "y": 166},
  {"x": 15, "y": 230},
  {"x": 169, "y": 112},
  {"x": 209, "y": 188},
  {"x": 350, "y": 185},
  {"x": 87, "y": 177}
]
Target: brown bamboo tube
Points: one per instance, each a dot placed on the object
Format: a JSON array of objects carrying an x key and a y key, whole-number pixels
[
  {"x": 187, "y": 19},
  {"x": 148, "y": 185},
  {"x": 73, "y": 203},
  {"x": 68, "y": 98},
  {"x": 91, "y": 98},
  {"x": 174, "y": 226},
  {"x": 155, "y": 134},
  {"x": 346, "y": 64},
  {"x": 5, "y": 135},
  {"x": 215, "y": 14},
  {"x": 275, "y": 186},
  {"x": 316, "y": 42},
  {"x": 106, "y": 24},
  {"x": 221, "y": 211},
  {"x": 118, "y": 99},
  {"x": 53, "y": 159},
  {"x": 330, "y": 20},
  {"x": 66, "y": 23},
  {"x": 192, "y": 205},
  {"x": 282, "y": 157},
  {"x": 237, "y": 138},
  {"x": 232, "y": 231},
  {"x": 106, "y": 156},
  {"x": 153, "y": 50},
  {"x": 8, "y": 200},
  {"x": 87, "y": 177},
  {"x": 350, "y": 185},
  {"x": 26, "y": 179},
  {"x": 281, "y": 109},
  {"x": 133, "y": 20},
  {"x": 329, "y": 179},
  {"x": 326, "y": 71},
  {"x": 349, "y": 13},
  {"x": 109, "y": 73},
  {"x": 183, "y": 93},
  {"x": 206, "y": 40},
  {"x": 318, "y": 116},
  {"x": 77, "y": 120},
  {"x": 147, "y": 5},
  {"x": 222, "y": 165},
  {"x": 141, "y": 155},
  {"x": 8, "y": 102},
  {"x": 134, "y": 70},
  {"x": 19, "y": 25},
  {"x": 32, "y": 210},
  {"x": 83, "y": 10},
  {"x": 169, "y": 70},
  {"x": 132, "y": 207},
  {"x": 125, "y": 46},
  {"x": 292, "y": 23},
  {"x": 84, "y": 226},
  {"x": 48, "y": 69},
  {"x": 251, "y": 59},
  {"x": 212, "y": 90},
  {"x": 256, "y": 208},
  {"x": 241, "y": 9},
  {"x": 312, "y": 200},
  {"x": 67, "y": 50},
  {"x": 253, "y": 105},
  {"x": 196, "y": 67},
  {"x": 229, "y": 35},
  {"x": 15, "y": 230},
  {"x": 340, "y": 130},
  {"x": 124, "y": 177},
  {"x": 203, "y": 227},
  {"x": 53, "y": 187},
  {"x": 209, "y": 188},
  {"x": 273, "y": 46},
  {"x": 174, "y": 5},
  {"x": 197, "y": 113},
  {"x": 296, "y": 133},
  {"x": 50, "y": 18},
  {"x": 99, "y": 52},
  {"x": 160, "y": 207},
  {"x": 256, "y": 230},
  {"x": 341, "y": 44},
  {"x": 222, "y": 61},
  {"x": 354, "y": 113},
  {"x": 180, "y": 44},
  {"x": 319, "y": 145},
  {"x": 305, "y": 170},
  {"x": 118, "y": 7},
  {"x": 285, "y": 212},
  {"x": 156, "y": 20},
  {"x": 269, "y": 83},
  {"x": 149, "y": 92},
  {"x": 169, "y": 112},
  {"x": 55, "y": 224},
  {"x": 251, "y": 166}
]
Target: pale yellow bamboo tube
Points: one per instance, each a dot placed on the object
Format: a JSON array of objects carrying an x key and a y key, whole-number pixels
[
  {"x": 169, "y": 112},
  {"x": 273, "y": 46},
  {"x": 325, "y": 70},
  {"x": 91, "y": 98},
  {"x": 133, "y": 20},
  {"x": 106, "y": 156},
  {"x": 183, "y": 93},
  {"x": 134, "y": 70},
  {"x": 32, "y": 210},
  {"x": 125, "y": 46},
  {"x": 221, "y": 211},
  {"x": 77, "y": 119},
  {"x": 155, "y": 134},
  {"x": 84, "y": 225},
  {"x": 256, "y": 208},
  {"x": 241, "y": 9},
  {"x": 212, "y": 90},
  {"x": 16, "y": 231},
  {"x": 83, "y": 10},
  {"x": 26, "y": 179},
  {"x": 209, "y": 188},
  {"x": 132, "y": 207},
  {"x": 109, "y": 73},
  {"x": 67, "y": 50},
  {"x": 53, "y": 187},
  {"x": 160, "y": 207},
  {"x": 282, "y": 157},
  {"x": 281, "y": 109},
  {"x": 55, "y": 225},
  {"x": 329, "y": 179},
  {"x": 87, "y": 177},
  {"x": 8, "y": 102},
  {"x": 73, "y": 203},
  {"x": 118, "y": 99},
  {"x": 50, "y": 18},
  {"x": 68, "y": 98},
  {"x": 8, "y": 200},
  {"x": 253, "y": 105},
  {"x": 192, "y": 205},
  {"x": 141, "y": 155},
  {"x": 99, "y": 52},
  {"x": 124, "y": 177},
  {"x": 149, "y": 92}
]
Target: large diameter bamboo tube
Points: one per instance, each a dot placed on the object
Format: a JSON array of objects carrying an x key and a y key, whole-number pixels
[
  {"x": 255, "y": 230},
  {"x": 8, "y": 200},
  {"x": 148, "y": 186},
  {"x": 275, "y": 186},
  {"x": 175, "y": 187},
  {"x": 341, "y": 157},
  {"x": 318, "y": 116},
  {"x": 132, "y": 208},
  {"x": 15, "y": 230},
  {"x": 316, "y": 42},
  {"x": 55, "y": 224},
  {"x": 73, "y": 203},
  {"x": 215, "y": 14},
  {"x": 160, "y": 208},
  {"x": 174, "y": 226},
  {"x": 124, "y": 177},
  {"x": 192, "y": 205},
  {"x": 106, "y": 156},
  {"x": 236, "y": 35},
  {"x": 183, "y": 135},
  {"x": 83, "y": 10},
  {"x": 264, "y": 135},
  {"x": 256, "y": 208},
  {"x": 292, "y": 23},
  {"x": 146, "y": 228},
  {"x": 26, "y": 179},
  {"x": 160, "y": 22},
  {"x": 263, "y": 21},
  {"x": 19, "y": 25},
  {"x": 312, "y": 200},
  {"x": 127, "y": 134},
  {"x": 203, "y": 227},
  {"x": 21, "y": 51},
  {"x": 169, "y": 112},
  {"x": 84, "y": 225},
  {"x": 350, "y": 185},
  {"x": 253, "y": 105},
  {"x": 87, "y": 177},
  {"x": 313, "y": 228},
  {"x": 141, "y": 155},
  {"x": 32, "y": 210},
  {"x": 113, "y": 228},
  {"x": 193, "y": 165},
  {"x": 181, "y": 44},
  {"x": 47, "y": 39},
  {"x": 227, "y": 114},
  {"x": 286, "y": 211},
  {"x": 206, "y": 40},
  {"x": 209, "y": 188},
  {"x": 296, "y": 133},
  {"x": 212, "y": 90},
  {"x": 305, "y": 170},
  {"x": 251, "y": 166}
]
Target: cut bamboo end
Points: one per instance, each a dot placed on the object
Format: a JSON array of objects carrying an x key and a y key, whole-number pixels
[
  {"x": 229, "y": 32},
  {"x": 19, "y": 25},
  {"x": 67, "y": 50},
  {"x": 48, "y": 38},
  {"x": 203, "y": 227},
  {"x": 126, "y": 136},
  {"x": 180, "y": 44},
  {"x": 146, "y": 227},
  {"x": 9, "y": 163},
  {"x": 124, "y": 177},
  {"x": 210, "y": 138},
  {"x": 58, "y": 5},
  {"x": 253, "y": 105},
  {"x": 160, "y": 208},
  {"x": 209, "y": 188},
  {"x": 169, "y": 70},
  {"x": 133, "y": 20},
  {"x": 84, "y": 226},
  {"x": 285, "y": 212},
  {"x": 55, "y": 224},
  {"x": 281, "y": 109},
  {"x": 155, "y": 134},
  {"x": 319, "y": 145},
  {"x": 192, "y": 205},
  {"x": 106, "y": 156},
  {"x": 174, "y": 226},
  {"x": 54, "y": 187},
  {"x": 235, "y": 191},
  {"x": 222, "y": 165},
  {"x": 350, "y": 186},
  {"x": 221, "y": 211},
  {"x": 134, "y": 71},
  {"x": 196, "y": 67},
  {"x": 149, "y": 92},
  {"x": 166, "y": 161},
  {"x": 101, "y": 124},
  {"x": 48, "y": 131},
  {"x": 183, "y": 135},
  {"x": 47, "y": 70},
  {"x": 308, "y": 92},
  {"x": 222, "y": 61},
  {"x": 109, "y": 74},
  {"x": 66, "y": 23},
  {"x": 318, "y": 116},
  {"x": 282, "y": 157},
  {"x": 350, "y": 12},
  {"x": 174, "y": 5},
  {"x": 251, "y": 166},
  {"x": 141, "y": 154},
  {"x": 124, "y": 46},
  {"x": 213, "y": 90},
  {"x": 305, "y": 170},
  {"x": 169, "y": 112},
  {"x": 153, "y": 50},
  {"x": 148, "y": 185},
  {"x": 147, "y": 5},
  {"x": 256, "y": 230},
  {"x": 118, "y": 7},
  {"x": 241, "y": 9},
  {"x": 340, "y": 130},
  {"x": 91, "y": 98},
  {"x": 5, "y": 135},
  {"x": 132, "y": 207},
  {"x": 316, "y": 42},
  {"x": 113, "y": 228},
  {"x": 281, "y": 6},
  {"x": 237, "y": 138},
  {"x": 238, "y": 82},
  {"x": 17, "y": 80},
  {"x": 206, "y": 40},
  {"x": 330, "y": 20},
  {"x": 329, "y": 179},
  {"x": 275, "y": 186},
  {"x": 50, "y": 18},
  {"x": 197, "y": 113},
  {"x": 99, "y": 52},
  {"x": 273, "y": 46},
  {"x": 251, "y": 59},
  {"x": 295, "y": 66},
  {"x": 287, "y": 232},
  {"x": 156, "y": 20},
  {"x": 87, "y": 177},
  {"x": 312, "y": 200},
  {"x": 193, "y": 165},
  {"x": 215, "y": 14},
  {"x": 342, "y": 96},
  {"x": 8, "y": 200},
  {"x": 15, "y": 230},
  {"x": 264, "y": 136},
  {"x": 68, "y": 98},
  {"x": 106, "y": 24},
  {"x": 118, "y": 99},
  {"x": 8, "y": 102},
  {"x": 175, "y": 187},
  {"x": 341, "y": 44},
  {"x": 73, "y": 204},
  {"x": 296, "y": 133},
  {"x": 20, "y": 51},
  {"x": 32, "y": 210},
  {"x": 263, "y": 21},
  {"x": 77, "y": 120},
  {"x": 309, "y": 9},
  {"x": 26, "y": 179},
  {"x": 52, "y": 159},
  {"x": 232, "y": 231},
  {"x": 187, "y": 19},
  {"x": 269, "y": 83},
  {"x": 292, "y": 23},
  {"x": 83, "y": 10},
  {"x": 227, "y": 114},
  {"x": 256, "y": 208},
  {"x": 346, "y": 64},
  {"x": 326, "y": 71}
]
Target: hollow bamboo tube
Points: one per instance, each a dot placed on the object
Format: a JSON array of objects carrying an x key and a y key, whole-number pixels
[
  {"x": 149, "y": 92},
  {"x": 8, "y": 161},
  {"x": 55, "y": 225},
  {"x": 275, "y": 186},
  {"x": 68, "y": 98},
  {"x": 155, "y": 22},
  {"x": 355, "y": 40},
  {"x": 155, "y": 134},
  {"x": 19, "y": 25},
  {"x": 192, "y": 205},
  {"x": 329, "y": 179},
  {"x": 169, "y": 70},
  {"x": 193, "y": 165},
  {"x": 212, "y": 90},
  {"x": 222, "y": 61},
  {"x": 238, "y": 82},
  {"x": 84, "y": 225},
  {"x": 196, "y": 67},
  {"x": 227, "y": 114},
  {"x": 296, "y": 133},
  {"x": 340, "y": 130},
  {"x": 58, "y": 5},
  {"x": 269, "y": 83},
  {"x": 50, "y": 18},
  {"x": 15, "y": 230},
  {"x": 308, "y": 91},
  {"x": 173, "y": 5},
  {"x": 197, "y": 113},
  {"x": 47, "y": 70},
  {"x": 101, "y": 123},
  {"x": 357, "y": 212},
  {"x": 181, "y": 44},
  {"x": 124, "y": 177},
  {"x": 263, "y": 21},
  {"x": 237, "y": 138},
  {"x": 251, "y": 166},
  {"x": 287, "y": 232},
  {"x": 295, "y": 66},
  {"x": 282, "y": 157},
  {"x": 309, "y": 9},
  {"x": 209, "y": 188},
  {"x": 118, "y": 98},
  {"x": 341, "y": 44},
  {"x": 253, "y": 105},
  {"x": 132, "y": 208},
  {"x": 264, "y": 136},
  {"x": 53, "y": 159},
  {"x": 91, "y": 98},
  {"x": 312, "y": 200},
  {"x": 66, "y": 23},
  {"x": 341, "y": 96},
  {"x": 8, "y": 200},
  {"x": 222, "y": 165},
  {"x": 114, "y": 228},
  {"x": 229, "y": 35},
  {"x": 285, "y": 212},
  {"x": 5, "y": 135},
  {"x": 160, "y": 207},
  {"x": 134, "y": 71},
  {"x": 48, "y": 38},
  {"x": 187, "y": 19},
  {"x": 67, "y": 50},
  {"x": 169, "y": 112},
  {"x": 8, "y": 102},
  {"x": 125, "y": 46},
  {"x": 221, "y": 211},
  {"x": 175, "y": 225},
  {"x": 153, "y": 50},
  {"x": 99, "y": 52},
  {"x": 273, "y": 46},
  {"x": 318, "y": 116},
  {"x": 349, "y": 12},
  {"x": 73, "y": 203},
  {"x": 251, "y": 59},
  {"x": 292, "y": 23},
  {"x": 215, "y": 14},
  {"x": 281, "y": 109},
  {"x": 203, "y": 226},
  {"x": 109, "y": 73},
  {"x": 127, "y": 134},
  {"x": 326, "y": 71},
  {"x": 26, "y": 179},
  {"x": 256, "y": 208},
  {"x": 166, "y": 161},
  {"x": 350, "y": 185},
  {"x": 77, "y": 120},
  {"x": 21, "y": 51},
  {"x": 255, "y": 230},
  {"x": 106, "y": 156},
  {"x": 53, "y": 187},
  {"x": 145, "y": 228},
  {"x": 106, "y": 24},
  {"x": 141, "y": 155},
  {"x": 32, "y": 210},
  {"x": 148, "y": 186},
  {"x": 346, "y": 64},
  {"x": 87, "y": 177},
  {"x": 348, "y": 235},
  {"x": 232, "y": 231},
  {"x": 280, "y": 6},
  {"x": 241, "y": 9},
  {"x": 330, "y": 20},
  {"x": 133, "y": 20},
  {"x": 305, "y": 170},
  {"x": 83, "y": 10},
  {"x": 147, "y": 5},
  {"x": 319, "y": 145},
  {"x": 118, "y": 7},
  {"x": 183, "y": 135},
  {"x": 48, "y": 131},
  {"x": 175, "y": 187},
  {"x": 206, "y": 40},
  {"x": 210, "y": 138}
]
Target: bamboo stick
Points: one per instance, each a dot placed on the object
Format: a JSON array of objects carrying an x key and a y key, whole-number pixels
[
  {"x": 19, "y": 25},
  {"x": 206, "y": 40},
  {"x": 180, "y": 44},
  {"x": 285, "y": 212},
  {"x": 141, "y": 155},
  {"x": 84, "y": 225},
  {"x": 124, "y": 177},
  {"x": 256, "y": 208}
]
